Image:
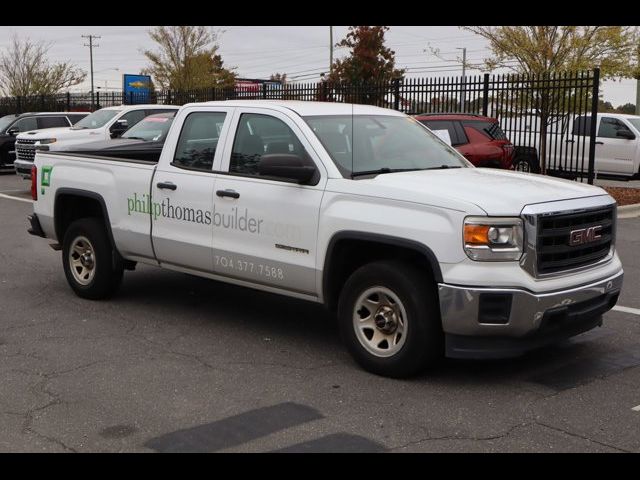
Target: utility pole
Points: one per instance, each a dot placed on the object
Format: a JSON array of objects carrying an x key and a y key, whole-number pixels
[
  {"x": 330, "y": 50},
  {"x": 464, "y": 78},
  {"x": 91, "y": 45},
  {"x": 638, "y": 85}
]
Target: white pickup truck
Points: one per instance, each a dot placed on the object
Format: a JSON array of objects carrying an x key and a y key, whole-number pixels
[
  {"x": 361, "y": 208},
  {"x": 617, "y": 144},
  {"x": 103, "y": 124}
]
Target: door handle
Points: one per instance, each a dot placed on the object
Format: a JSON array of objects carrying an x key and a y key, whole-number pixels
[
  {"x": 228, "y": 193},
  {"x": 167, "y": 185},
  {"x": 599, "y": 143}
]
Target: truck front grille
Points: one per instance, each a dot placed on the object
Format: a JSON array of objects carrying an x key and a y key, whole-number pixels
[
  {"x": 25, "y": 150},
  {"x": 572, "y": 240}
]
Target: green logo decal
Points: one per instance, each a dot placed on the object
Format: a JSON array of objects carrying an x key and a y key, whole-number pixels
[{"x": 45, "y": 179}]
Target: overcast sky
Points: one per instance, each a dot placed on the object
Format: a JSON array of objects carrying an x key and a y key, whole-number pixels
[{"x": 257, "y": 52}]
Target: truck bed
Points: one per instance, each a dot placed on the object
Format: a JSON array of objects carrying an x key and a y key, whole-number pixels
[{"x": 116, "y": 183}]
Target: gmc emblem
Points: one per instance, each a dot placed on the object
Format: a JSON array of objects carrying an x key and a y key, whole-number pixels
[{"x": 584, "y": 235}]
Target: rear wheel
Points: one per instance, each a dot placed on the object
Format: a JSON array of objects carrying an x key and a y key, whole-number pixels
[
  {"x": 390, "y": 320},
  {"x": 523, "y": 164},
  {"x": 87, "y": 258}
]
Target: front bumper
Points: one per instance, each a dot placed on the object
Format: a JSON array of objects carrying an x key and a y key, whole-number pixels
[{"x": 476, "y": 326}]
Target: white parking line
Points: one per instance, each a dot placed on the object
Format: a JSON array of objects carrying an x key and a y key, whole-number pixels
[
  {"x": 634, "y": 311},
  {"x": 2, "y": 195},
  {"x": 636, "y": 409}
]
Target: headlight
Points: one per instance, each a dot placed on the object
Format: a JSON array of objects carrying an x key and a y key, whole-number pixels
[
  {"x": 47, "y": 141},
  {"x": 493, "y": 239}
]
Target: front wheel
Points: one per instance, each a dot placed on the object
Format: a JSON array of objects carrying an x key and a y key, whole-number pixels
[
  {"x": 390, "y": 319},
  {"x": 87, "y": 258}
]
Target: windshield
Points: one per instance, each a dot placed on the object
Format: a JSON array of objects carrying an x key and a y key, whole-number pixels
[
  {"x": 362, "y": 144},
  {"x": 151, "y": 129},
  {"x": 633, "y": 121},
  {"x": 96, "y": 120},
  {"x": 6, "y": 121}
]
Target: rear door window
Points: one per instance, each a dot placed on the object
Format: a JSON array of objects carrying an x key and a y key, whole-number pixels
[
  {"x": 52, "y": 122},
  {"x": 490, "y": 129},
  {"x": 198, "y": 140},
  {"x": 447, "y": 125},
  {"x": 582, "y": 126},
  {"x": 26, "y": 124}
]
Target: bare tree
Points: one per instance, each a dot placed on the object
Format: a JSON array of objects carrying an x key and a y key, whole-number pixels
[
  {"x": 187, "y": 58},
  {"x": 25, "y": 70}
]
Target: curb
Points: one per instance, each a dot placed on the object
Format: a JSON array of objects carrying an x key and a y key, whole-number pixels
[{"x": 629, "y": 211}]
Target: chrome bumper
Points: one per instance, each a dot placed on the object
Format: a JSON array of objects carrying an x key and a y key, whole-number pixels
[{"x": 460, "y": 307}]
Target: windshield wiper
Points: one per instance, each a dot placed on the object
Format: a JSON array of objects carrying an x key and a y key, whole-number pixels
[
  {"x": 135, "y": 138},
  {"x": 443, "y": 167},
  {"x": 383, "y": 170}
]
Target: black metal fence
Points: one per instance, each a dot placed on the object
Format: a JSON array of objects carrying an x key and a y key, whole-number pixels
[{"x": 549, "y": 118}]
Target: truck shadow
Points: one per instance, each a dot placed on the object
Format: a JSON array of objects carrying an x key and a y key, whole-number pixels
[
  {"x": 230, "y": 305},
  {"x": 567, "y": 364}
]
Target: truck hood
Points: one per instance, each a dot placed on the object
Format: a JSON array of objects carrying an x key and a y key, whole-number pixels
[
  {"x": 62, "y": 134},
  {"x": 497, "y": 192}
]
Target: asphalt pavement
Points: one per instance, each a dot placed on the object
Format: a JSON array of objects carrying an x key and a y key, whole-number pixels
[{"x": 179, "y": 363}]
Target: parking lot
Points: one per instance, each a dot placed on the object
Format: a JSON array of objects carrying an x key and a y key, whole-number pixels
[{"x": 179, "y": 363}]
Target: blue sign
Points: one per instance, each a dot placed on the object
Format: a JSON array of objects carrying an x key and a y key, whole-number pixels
[{"x": 136, "y": 88}]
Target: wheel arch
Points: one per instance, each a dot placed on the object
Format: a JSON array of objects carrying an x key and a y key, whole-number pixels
[
  {"x": 348, "y": 250},
  {"x": 93, "y": 205}
]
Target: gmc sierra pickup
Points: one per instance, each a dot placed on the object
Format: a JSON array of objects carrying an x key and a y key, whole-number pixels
[{"x": 417, "y": 252}]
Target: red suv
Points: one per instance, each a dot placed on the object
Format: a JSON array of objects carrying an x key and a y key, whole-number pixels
[{"x": 479, "y": 139}]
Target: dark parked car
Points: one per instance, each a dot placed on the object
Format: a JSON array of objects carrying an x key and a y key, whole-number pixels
[
  {"x": 143, "y": 141},
  {"x": 480, "y": 139},
  {"x": 12, "y": 125}
]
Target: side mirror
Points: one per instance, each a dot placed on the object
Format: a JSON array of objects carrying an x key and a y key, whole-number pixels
[
  {"x": 629, "y": 135},
  {"x": 13, "y": 131},
  {"x": 119, "y": 128},
  {"x": 285, "y": 165}
]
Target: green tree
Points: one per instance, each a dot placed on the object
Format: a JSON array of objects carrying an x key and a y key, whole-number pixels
[
  {"x": 544, "y": 50},
  {"x": 369, "y": 60},
  {"x": 187, "y": 59},
  {"x": 605, "y": 107},
  {"x": 628, "y": 108},
  {"x": 25, "y": 70},
  {"x": 279, "y": 77}
]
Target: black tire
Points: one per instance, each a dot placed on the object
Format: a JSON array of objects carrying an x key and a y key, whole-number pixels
[
  {"x": 524, "y": 164},
  {"x": 416, "y": 290},
  {"x": 106, "y": 277}
]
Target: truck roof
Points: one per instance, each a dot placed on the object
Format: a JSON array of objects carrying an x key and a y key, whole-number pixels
[
  {"x": 150, "y": 106},
  {"x": 618, "y": 115},
  {"x": 307, "y": 108},
  {"x": 454, "y": 116}
]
